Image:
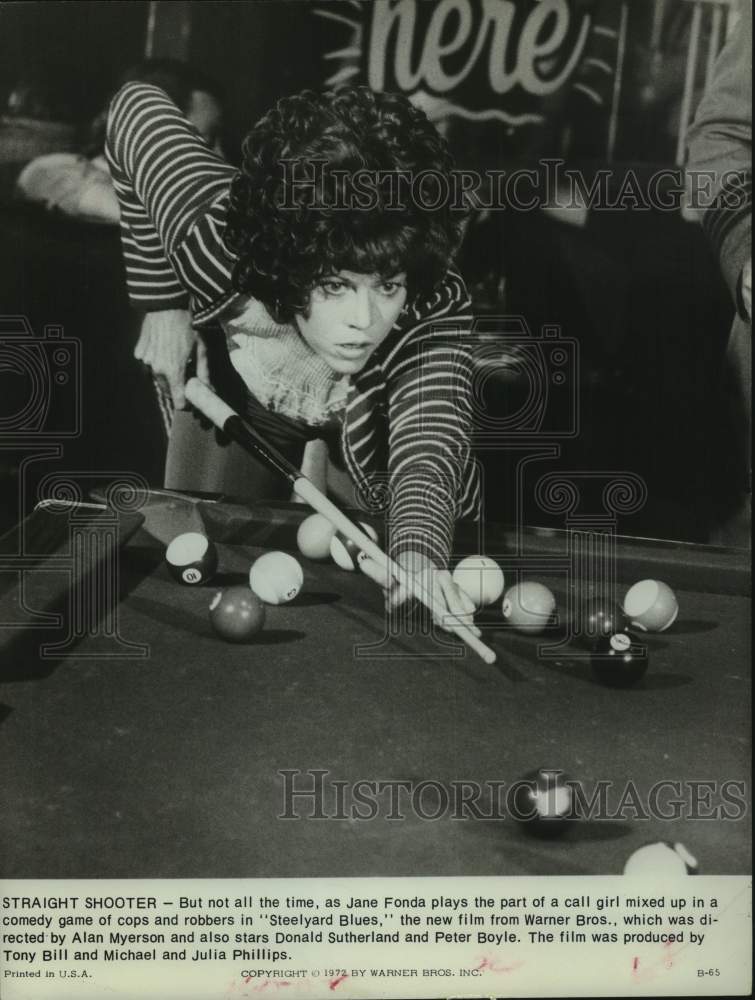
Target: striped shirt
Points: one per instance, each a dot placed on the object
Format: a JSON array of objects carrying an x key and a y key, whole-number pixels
[{"x": 408, "y": 417}]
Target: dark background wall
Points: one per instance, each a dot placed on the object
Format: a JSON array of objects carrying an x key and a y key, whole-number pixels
[
  {"x": 83, "y": 47},
  {"x": 259, "y": 53},
  {"x": 261, "y": 49}
]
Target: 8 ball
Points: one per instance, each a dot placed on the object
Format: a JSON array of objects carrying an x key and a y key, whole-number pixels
[{"x": 618, "y": 661}]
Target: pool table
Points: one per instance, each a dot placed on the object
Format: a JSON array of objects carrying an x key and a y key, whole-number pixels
[{"x": 142, "y": 745}]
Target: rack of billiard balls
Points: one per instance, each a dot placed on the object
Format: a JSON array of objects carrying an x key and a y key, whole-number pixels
[
  {"x": 610, "y": 631},
  {"x": 617, "y": 656}
]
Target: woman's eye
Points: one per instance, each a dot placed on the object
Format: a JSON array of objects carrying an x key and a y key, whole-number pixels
[
  {"x": 391, "y": 287},
  {"x": 332, "y": 286}
]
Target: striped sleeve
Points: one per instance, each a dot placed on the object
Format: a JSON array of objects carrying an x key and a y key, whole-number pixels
[
  {"x": 430, "y": 427},
  {"x": 167, "y": 181}
]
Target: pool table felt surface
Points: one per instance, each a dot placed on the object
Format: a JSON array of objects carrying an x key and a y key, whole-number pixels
[{"x": 169, "y": 765}]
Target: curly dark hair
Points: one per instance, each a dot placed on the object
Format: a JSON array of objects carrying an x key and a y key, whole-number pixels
[{"x": 288, "y": 220}]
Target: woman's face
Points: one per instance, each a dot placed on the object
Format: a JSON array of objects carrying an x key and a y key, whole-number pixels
[{"x": 350, "y": 315}]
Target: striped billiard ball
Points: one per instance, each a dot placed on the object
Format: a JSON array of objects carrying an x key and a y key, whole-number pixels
[
  {"x": 661, "y": 860},
  {"x": 651, "y": 606},
  {"x": 543, "y": 801},
  {"x": 191, "y": 558},
  {"x": 529, "y": 607},
  {"x": 345, "y": 553}
]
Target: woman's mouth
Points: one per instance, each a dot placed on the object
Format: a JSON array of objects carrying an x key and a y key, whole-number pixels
[{"x": 354, "y": 350}]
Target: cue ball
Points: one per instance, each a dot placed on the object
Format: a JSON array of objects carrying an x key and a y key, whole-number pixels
[
  {"x": 543, "y": 802},
  {"x": 661, "y": 860},
  {"x": 276, "y": 577},
  {"x": 481, "y": 579},
  {"x": 345, "y": 553},
  {"x": 618, "y": 661},
  {"x": 651, "y": 606},
  {"x": 529, "y": 606},
  {"x": 237, "y": 614},
  {"x": 191, "y": 558},
  {"x": 314, "y": 536}
]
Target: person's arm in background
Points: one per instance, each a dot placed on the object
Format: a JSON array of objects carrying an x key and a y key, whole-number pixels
[
  {"x": 720, "y": 143},
  {"x": 164, "y": 175},
  {"x": 71, "y": 184}
]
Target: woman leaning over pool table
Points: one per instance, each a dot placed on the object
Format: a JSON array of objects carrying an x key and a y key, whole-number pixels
[{"x": 318, "y": 310}]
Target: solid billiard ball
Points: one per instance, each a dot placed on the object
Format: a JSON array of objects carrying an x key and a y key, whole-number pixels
[
  {"x": 651, "y": 606},
  {"x": 345, "y": 553},
  {"x": 529, "y": 606},
  {"x": 598, "y": 617},
  {"x": 191, "y": 558},
  {"x": 618, "y": 661},
  {"x": 661, "y": 860},
  {"x": 314, "y": 536},
  {"x": 276, "y": 577},
  {"x": 543, "y": 801},
  {"x": 481, "y": 579},
  {"x": 237, "y": 614}
]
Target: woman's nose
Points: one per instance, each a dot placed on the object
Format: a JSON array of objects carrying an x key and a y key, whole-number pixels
[{"x": 361, "y": 311}]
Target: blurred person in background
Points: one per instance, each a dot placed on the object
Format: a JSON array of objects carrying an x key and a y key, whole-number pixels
[
  {"x": 38, "y": 118},
  {"x": 79, "y": 184},
  {"x": 720, "y": 144}
]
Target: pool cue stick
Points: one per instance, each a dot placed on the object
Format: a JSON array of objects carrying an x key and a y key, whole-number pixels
[{"x": 224, "y": 417}]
